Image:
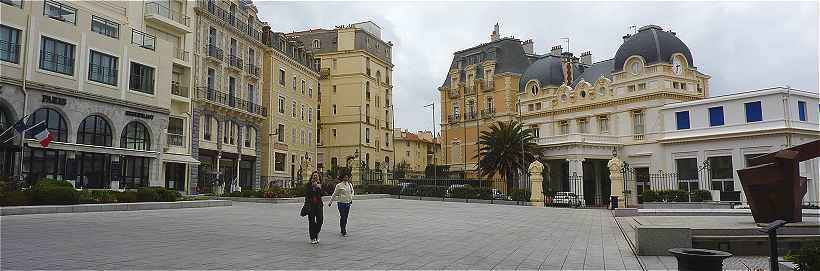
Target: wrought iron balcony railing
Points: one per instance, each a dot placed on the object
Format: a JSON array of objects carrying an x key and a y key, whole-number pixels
[{"x": 230, "y": 101}]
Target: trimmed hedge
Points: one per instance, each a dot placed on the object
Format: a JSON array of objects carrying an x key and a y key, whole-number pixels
[
  {"x": 15, "y": 198},
  {"x": 53, "y": 192},
  {"x": 675, "y": 196},
  {"x": 471, "y": 192},
  {"x": 153, "y": 194},
  {"x": 520, "y": 195}
]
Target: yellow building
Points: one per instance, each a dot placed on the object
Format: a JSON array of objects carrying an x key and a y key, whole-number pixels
[
  {"x": 355, "y": 94},
  {"x": 227, "y": 106},
  {"x": 290, "y": 90},
  {"x": 111, "y": 78},
  {"x": 416, "y": 150},
  {"x": 481, "y": 88}
]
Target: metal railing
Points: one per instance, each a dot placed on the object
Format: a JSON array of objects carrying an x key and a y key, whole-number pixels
[
  {"x": 231, "y": 19},
  {"x": 215, "y": 52},
  {"x": 487, "y": 113},
  {"x": 57, "y": 63},
  {"x": 102, "y": 74},
  {"x": 143, "y": 40},
  {"x": 454, "y": 118},
  {"x": 470, "y": 115},
  {"x": 167, "y": 12},
  {"x": 227, "y": 100},
  {"x": 235, "y": 61},
  {"x": 252, "y": 69},
  {"x": 177, "y": 140},
  {"x": 179, "y": 90},
  {"x": 181, "y": 54},
  {"x": 577, "y": 137}
]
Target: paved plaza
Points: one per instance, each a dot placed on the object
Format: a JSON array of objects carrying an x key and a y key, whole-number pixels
[{"x": 384, "y": 234}]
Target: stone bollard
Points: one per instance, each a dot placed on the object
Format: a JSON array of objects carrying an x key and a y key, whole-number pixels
[
  {"x": 536, "y": 193},
  {"x": 694, "y": 259}
]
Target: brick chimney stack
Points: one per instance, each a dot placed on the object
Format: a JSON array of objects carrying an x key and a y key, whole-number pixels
[
  {"x": 556, "y": 50},
  {"x": 586, "y": 58},
  {"x": 528, "y": 46}
]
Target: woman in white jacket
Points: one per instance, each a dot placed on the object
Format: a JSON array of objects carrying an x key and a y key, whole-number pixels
[{"x": 343, "y": 194}]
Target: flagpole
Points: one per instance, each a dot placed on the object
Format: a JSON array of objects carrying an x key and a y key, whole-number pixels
[{"x": 13, "y": 126}]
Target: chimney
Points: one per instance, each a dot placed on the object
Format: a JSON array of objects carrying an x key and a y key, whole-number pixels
[
  {"x": 586, "y": 58},
  {"x": 495, "y": 35},
  {"x": 556, "y": 50},
  {"x": 528, "y": 46}
]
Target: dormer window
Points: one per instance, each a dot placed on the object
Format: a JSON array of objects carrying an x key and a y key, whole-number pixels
[{"x": 534, "y": 90}]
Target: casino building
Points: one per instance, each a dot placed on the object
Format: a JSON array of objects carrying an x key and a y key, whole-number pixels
[
  {"x": 648, "y": 104},
  {"x": 110, "y": 85}
]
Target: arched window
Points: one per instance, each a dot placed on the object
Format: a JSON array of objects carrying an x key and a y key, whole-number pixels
[
  {"x": 534, "y": 90},
  {"x": 54, "y": 120},
  {"x": 94, "y": 130},
  {"x": 135, "y": 136},
  {"x": 378, "y": 76}
]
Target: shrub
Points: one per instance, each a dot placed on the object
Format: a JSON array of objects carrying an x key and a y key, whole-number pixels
[
  {"x": 53, "y": 192},
  {"x": 86, "y": 197},
  {"x": 700, "y": 195},
  {"x": 16, "y": 198},
  {"x": 672, "y": 196},
  {"x": 104, "y": 196},
  {"x": 807, "y": 258},
  {"x": 431, "y": 191},
  {"x": 126, "y": 197},
  {"x": 152, "y": 194},
  {"x": 648, "y": 196},
  {"x": 378, "y": 189},
  {"x": 520, "y": 195},
  {"x": 234, "y": 194}
]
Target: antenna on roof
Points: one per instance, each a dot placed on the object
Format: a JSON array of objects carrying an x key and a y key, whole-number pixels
[
  {"x": 634, "y": 29},
  {"x": 567, "y": 40}
]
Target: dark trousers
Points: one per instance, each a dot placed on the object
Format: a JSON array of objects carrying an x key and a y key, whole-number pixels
[
  {"x": 315, "y": 219},
  {"x": 344, "y": 210}
]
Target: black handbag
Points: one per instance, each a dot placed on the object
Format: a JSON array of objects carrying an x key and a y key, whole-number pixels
[{"x": 305, "y": 209}]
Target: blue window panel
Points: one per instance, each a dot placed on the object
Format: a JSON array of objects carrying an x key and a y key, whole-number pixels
[
  {"x": 801, "y": 110},
  {"x": 716, "y": 116},
  {"x": 754, "y": 112},
  {"x": 682, "y": 119}
]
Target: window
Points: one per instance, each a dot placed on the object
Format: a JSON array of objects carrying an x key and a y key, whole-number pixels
[
  {"x": 334, "y": 132},
  {"x": 563, "y": 127},
  {"x": 637, "y": 123},
  {"x": 234, "y": 129},
  {"x": 94, "y": 130},
  {"x": 367, "y": 135},
  {"x": 54, "y": 122},
  {"x": 631, "y": 88},
  {"x": 206, "y": 127},
  {"x": 582, "y": 126},
  {"x": 603, "y": 124},
  {"x": 57, "y": 56},
  {"x": 211, "y": 81},
  {"x": 754, "y": 112},
  {"x": 9, "y": 44},
  {"x": 143, "y": 40},
  {"x": 105, "y": 27},
  {"x": 293, "y": 83},
  {"x": 687, "y": 170},
  {"x": 801, "y": 110},
  {"x": 683, "y": 86},
  {"x": 303, "y": 87},
  {"x": 251, "y": 93},
  {"x": 293, "y": 109},
  {"x": 102, "y": 68},
  {"x": 302, "y": 113},
  {"x": 135, "y": 136},
  {"x": 334, "y": 109},
  {"x": 281, "y": 105},
  {"x": 720, "y": 169},
  {"x": 386, "y": 140},
  {"x": 716, "y": 116},
  {"x": 282, "y": 77},
  {"x": 135, "y": 171},
  {"x": 250, "y": 135},
  {"x": 279, "y": 162},
  {"x": 334, "y": 89},
  {"x": 310, "y": 114},
  {"x": 280, "y": 133},
  {"x": 310, "y": 92},
  {"x": 675, "y": 85},
  {"x": 642, "y": 86},
  {"x": 176, "y": 131},
  {"x": 142, "y": 78},
  {"x": 60, "y": 11},
  {"x": 535, "y": 131},
  {"x": 682, "y": 120},
  {"x": 14, "y": 3}
]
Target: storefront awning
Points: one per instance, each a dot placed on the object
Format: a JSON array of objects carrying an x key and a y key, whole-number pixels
[{"x": 179, "y": 158}]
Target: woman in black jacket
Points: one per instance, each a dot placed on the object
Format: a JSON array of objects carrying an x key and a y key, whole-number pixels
[{"x": 313, "y": 198}]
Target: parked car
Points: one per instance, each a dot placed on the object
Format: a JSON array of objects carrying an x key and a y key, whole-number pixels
[
  {"x": 407, "y": 188},
  {"x": 566, "y": 198},
  {"x": 447, "y": 194}
]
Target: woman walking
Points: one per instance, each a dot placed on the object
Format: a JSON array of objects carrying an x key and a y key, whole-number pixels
[
  {"x": 313, "y": 200},
  {"x": 344, "y": 193}
]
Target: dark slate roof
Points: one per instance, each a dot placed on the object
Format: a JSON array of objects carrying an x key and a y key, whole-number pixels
[
  {"x": 592, "y": 73},
  {"x": 508, "y": 54},
  {"x": 547, "y": 70},
  {"x": 653, "y": 44}
]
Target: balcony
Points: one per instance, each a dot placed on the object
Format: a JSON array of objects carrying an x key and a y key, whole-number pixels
[
  {"x": 181, "y": 54},
  {"x": 229, "y": 101},
  {"x": 578, "y": 138},
  {"x": 471, "y": 115},
  {"x": 231, "y": 19},
  {"x": 235, "y": 61},
  {"x": 215, "y": 52},
  {"x": 454, "y": 118},
  {"x": 179, "y": 90},
  {"x": 143, "y": 40},
  {"x": 159, "y": 13},
  {"x": 487, "y": 113},
  {"x": 252, "y": 69},
  {"x": 469, "y": 91},
  {"x": 487, "y": 85},
  {"x": 175, "y": 140}
]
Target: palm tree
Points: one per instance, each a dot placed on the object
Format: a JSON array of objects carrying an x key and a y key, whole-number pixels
[{"x": 502, "y": 150}]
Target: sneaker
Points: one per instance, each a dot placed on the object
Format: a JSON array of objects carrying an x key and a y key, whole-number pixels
[
  {"x": 317, "y": 241},
  {"x": 314, "y": 241},
  {"x": 344, "y": 234}
]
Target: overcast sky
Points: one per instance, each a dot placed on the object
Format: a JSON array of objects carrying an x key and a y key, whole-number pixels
[{"x": 742, "y": 45}]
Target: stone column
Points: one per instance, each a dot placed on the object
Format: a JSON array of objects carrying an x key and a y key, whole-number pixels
[
  {"x": 616, "y": 178},
  {"x": 576, "y": 177},
  {"x": 355, "y": 174},
  {"x": 536, "y": 193}
]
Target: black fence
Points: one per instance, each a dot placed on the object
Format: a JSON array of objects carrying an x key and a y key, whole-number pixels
[{"x": 692, "y": 185}]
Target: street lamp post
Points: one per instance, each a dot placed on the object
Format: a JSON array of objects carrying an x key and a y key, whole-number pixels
[
  {"x": 359, "y": 148},
  {"x": 433, "y": 113}
]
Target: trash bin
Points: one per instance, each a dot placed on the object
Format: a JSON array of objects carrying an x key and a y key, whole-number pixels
[
  {"x": 695, "y": 259},
  {"x": 613, "y": 200}
]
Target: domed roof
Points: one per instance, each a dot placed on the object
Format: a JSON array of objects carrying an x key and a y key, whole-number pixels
[
  {"x": 546, "y": 70},
  {"x": 653, "y": 44}
]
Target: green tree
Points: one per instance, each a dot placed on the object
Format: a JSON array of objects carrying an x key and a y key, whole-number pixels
[{"x": 505, "y": 149}]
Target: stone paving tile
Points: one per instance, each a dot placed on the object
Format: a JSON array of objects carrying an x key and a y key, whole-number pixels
[{"x": 384, "y": 234}]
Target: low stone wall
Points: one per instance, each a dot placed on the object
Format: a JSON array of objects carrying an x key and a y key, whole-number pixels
[
  {"x": 686, "y": 205},
  {"x": 480, "y": 201},
  {"x": 297, "y": 200},
  {"x": 107, "y": 207}
]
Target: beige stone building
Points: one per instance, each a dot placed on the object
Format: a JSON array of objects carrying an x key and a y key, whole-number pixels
[
  {"x": 290, "y": 90},
  {"x": 228, "y": 110},
  {"x": 355, "y": 102},
  {"x": 416, "y": 149},
  {"x": 111, "y": 81}
]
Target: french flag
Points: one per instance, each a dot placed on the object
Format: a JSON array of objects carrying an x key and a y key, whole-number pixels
[{"x": 41, "y": 133}]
